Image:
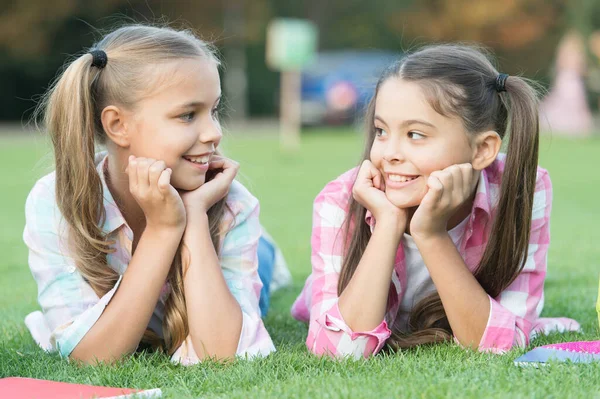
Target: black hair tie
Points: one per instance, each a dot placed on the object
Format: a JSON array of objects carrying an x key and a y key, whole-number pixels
[
  {"x": 501, "y": 82},
  {"x": 99, "y": 59}
]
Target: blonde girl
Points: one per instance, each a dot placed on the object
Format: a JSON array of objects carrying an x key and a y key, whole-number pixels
[{"x": 153, "y": 242}]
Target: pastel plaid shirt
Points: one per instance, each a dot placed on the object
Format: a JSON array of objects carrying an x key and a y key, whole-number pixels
[
  {"x": 69, "y": 305},
  {"x": 514, "y": 315}
]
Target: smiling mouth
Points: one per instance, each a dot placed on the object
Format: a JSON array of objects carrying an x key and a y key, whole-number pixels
[
  {"x": 198, "y": 159},
  {"x": 401, "y": 178}
]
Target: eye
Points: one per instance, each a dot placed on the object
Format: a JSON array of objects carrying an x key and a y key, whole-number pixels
[
  {"x": 188, "y": 117},
  {"x": 415, "y": 136},
  {"x": 215, "y": 112},
  {"x": 380, "y": 132}
]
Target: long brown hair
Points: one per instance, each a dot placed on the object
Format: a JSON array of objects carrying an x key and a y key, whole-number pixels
[
  {"x": 71, "y": 111},
  {"x": 460, "y": 81}
]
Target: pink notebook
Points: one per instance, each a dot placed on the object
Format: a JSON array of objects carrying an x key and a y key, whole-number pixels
[
  {"x": 30, "y": 388},
  {"x": 576, "y": 352}
]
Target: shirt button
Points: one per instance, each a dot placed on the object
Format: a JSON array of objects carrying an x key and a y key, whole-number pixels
[{"x": 72, "y": 269}]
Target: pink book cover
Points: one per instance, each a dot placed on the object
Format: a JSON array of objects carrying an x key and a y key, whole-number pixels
[
  {"x": 30, "y": 388},
  {"x": 576, "y": 352}
]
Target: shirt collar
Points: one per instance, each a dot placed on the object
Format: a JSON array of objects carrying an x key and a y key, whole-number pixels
[{"x": 483, "y": 195}]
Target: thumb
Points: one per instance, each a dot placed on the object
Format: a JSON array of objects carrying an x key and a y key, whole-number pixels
[
  {"x": 377, "y": 182},
  {"x": 435, "y": 190},
  {"x": 164, "y": 182}
]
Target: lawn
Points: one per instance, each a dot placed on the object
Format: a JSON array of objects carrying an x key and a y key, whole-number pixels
[{"x": 286, "y": 185}]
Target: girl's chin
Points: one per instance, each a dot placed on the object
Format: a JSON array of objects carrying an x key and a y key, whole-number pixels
[
  {"x": 187, "y": 186},
  {"x": 404, "y": 203}
]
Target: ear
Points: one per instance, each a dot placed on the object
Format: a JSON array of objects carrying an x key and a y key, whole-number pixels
[
  {"x": 114, "y": 121},
  {"x": 486, "y": 149}
]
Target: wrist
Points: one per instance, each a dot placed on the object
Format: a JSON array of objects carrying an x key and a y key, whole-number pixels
[
  {"x": 196, "y": 212},
  {"x": 163, "y": 232},
  {"x": 196, "y": 226},
  {"x": 393, "y": 223},
  {"x": 171, "y": 226},
  {"x": 431, "y": 237}
]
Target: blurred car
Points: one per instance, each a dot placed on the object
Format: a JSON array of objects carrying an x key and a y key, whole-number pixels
[{"x": 337, "y": 86}]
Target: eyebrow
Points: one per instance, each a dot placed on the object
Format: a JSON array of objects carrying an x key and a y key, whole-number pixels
[
  {"x": 196, "y": 104},
  {"x": 408, "y": 122}
]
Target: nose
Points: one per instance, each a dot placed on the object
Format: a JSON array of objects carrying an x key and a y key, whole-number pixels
[
  {"x": 393, "y": 151},
  {"x": 210, "y": 132}
]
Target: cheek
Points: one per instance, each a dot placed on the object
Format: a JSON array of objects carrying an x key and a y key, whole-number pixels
[
  {"x": 376, "y": 154},
  {"x": 143, "y": 135},
  {"x": 175, "y": 139},
  {"x": 431, "y": 161},
  {"x": 443, "y": 155},
  {"x": 162, "y": 143}
]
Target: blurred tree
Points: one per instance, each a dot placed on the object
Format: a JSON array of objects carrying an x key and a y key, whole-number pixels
[
  {"x": 511, "y": 24},
  {"x": 29, "y": 28},
  {"x": 522, "y": 33},
  {"x": 36, "y": 36}
]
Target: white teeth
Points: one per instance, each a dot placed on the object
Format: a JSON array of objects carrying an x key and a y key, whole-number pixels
[
  {"x": 400, "y": 178},
  {"x": 202, "y": 159}
]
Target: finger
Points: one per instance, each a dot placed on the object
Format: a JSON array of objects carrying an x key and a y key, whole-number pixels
[
  {"x": 435, "y": 191},
  {"x": 164, "y": 181},
  {"x": 230, "y": 169},
  {"x": 378, "y": 182},
  {"x": 132, "y": 172},
  {"x": 146, "y": 176},
  {"x": 216, "y": 164},
  {"x": 364, "y": 171},
  {"x": 222, "y": 163},
  {"x": 228, "y": 163},
  {"x": 449, "y": 194},
  {"x": 142, "y": 173},
  {"x": 154, "y": 171},
  {"x": 470, "y": 177},
  {"x": 458, "y": 188},
  {"x": 365, "y": 179},
  {"x": 445, "y": 177},
  {"x": 372, "y": 173},
  {"x": 457, "y": 176}
]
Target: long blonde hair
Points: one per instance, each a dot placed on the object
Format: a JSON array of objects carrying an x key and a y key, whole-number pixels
[
  {"x": 460, "y": 81},
  {"x": 71, "y": 111}
]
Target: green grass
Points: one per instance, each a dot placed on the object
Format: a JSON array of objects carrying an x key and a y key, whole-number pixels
[{"x": 286, "y": 184}]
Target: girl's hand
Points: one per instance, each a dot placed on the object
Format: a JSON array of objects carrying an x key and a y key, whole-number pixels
[
  {"x": 448, "y": 190},
  {"x": 204, "y": 197},
  {"x": 150, "y": 185},
  {"x": 369, "y": 191}
]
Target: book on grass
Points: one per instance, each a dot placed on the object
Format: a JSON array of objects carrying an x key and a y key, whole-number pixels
[
  {"x": 27, "y": 388},
  {"x": 576, "y": 352}
]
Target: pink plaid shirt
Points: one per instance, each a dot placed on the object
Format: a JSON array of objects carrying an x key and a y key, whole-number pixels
[{"x": 514, "y": 315}]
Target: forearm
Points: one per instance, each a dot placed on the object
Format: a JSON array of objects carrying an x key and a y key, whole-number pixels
[
  {"x": 214, "y": 315},
  {"x": 465, "y": 302},
  {"x": 363, "y": 303},
  {"x": 121, "y": 326}
]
